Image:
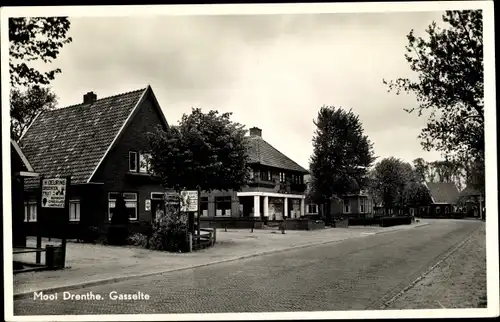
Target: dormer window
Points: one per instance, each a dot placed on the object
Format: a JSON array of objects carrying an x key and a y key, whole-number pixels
[{"x": 132, "y": 161}]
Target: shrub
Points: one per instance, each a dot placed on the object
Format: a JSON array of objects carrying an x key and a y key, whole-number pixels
[
  {"x": 138, "y": 240},
  {"x": 90, "y": 234},
  {"x": 169, "y": 231}
]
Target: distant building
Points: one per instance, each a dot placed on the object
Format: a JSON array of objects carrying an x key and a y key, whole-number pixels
[
  {"x": 443, "y": 200},
  {"x": 101, "y": 144},
  {"x": 471, "y": 200},
  {"x": 276, "y": 190}
]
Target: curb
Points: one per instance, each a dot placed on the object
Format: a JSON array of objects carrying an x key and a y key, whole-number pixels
[
  {"x": 394, "y": 230},
  {"x": 429, "y": 270},
  {"x": 24, "y": 295}
]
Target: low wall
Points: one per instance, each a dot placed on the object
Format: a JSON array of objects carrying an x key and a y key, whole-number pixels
[
  {"x": 343, "y": 223},
  {"x": 364, "y": 221},
  {"x": 304, "y": 224},
  {"x": 394, "y": 221},
  {"x": 234, "y": 223}
]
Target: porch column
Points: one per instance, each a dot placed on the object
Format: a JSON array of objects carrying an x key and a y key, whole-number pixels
[
  {"x": 256, "y": 206},
  {"x": 266, "y": 206},
  {"x": 285, "y": 207},
  {"x": 302, "y": 207}
]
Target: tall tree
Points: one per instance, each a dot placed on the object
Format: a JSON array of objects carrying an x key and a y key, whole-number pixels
[
  {"x": 390, "y": 179},
  {"x": 421, "y": 170},
  {"x": 450, "y": 84},
  {"x": 30, "y": 40},
  {"x": 206, "y": 151},
  {"x": 341, "y": 157},
  {"x": 25, "y": 106}
]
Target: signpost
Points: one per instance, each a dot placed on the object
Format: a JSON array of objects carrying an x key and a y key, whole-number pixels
[
  {"x": 54, "y": 193},
  {"x": 189, "y": 200}
]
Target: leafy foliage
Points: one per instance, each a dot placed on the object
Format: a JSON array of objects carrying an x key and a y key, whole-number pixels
[
  {"x": 208, "y": 151},
  {"x": 342, "y": 154},
  {"x": 25, "y": 106},
  {"x": 32, "y": 39},
  {"x": 390, "y": 180},
  {"x": 450, "y": 84}
]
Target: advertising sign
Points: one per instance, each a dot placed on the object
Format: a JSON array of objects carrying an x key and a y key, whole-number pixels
[
  {"x": 53, "y": 193},
  {"x": 189, "y": 201}
]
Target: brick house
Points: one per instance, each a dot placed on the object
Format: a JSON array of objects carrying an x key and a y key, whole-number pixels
[
  {"x": 471, "y": 201},
  {"x": 443, "y": 201},
  {"x": 276, "y": 190},
  {"x": 348, "y": 206},
  {"x": 101, "y": 144}
]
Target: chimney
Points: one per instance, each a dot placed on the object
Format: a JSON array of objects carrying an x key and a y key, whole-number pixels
[
  {"x": 255, "y": 131},
  {"x": 89, "y": 98}
]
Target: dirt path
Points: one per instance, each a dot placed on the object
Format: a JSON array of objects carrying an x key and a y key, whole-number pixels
[{"x": 458, "y": 282}]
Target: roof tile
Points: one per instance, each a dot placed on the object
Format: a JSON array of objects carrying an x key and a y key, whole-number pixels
[
  {"x": 72, "y": 140},
  {"x": 443, "y": 192}
]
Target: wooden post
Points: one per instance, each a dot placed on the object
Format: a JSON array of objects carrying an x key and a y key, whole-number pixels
[
  {"x": 39, "y": 221},
  {"x": 198, "y": 206},
  {"x": 190, "y": 242},
  {"x": 66, "y": 221},
  {"x": 481, "y": 207}
]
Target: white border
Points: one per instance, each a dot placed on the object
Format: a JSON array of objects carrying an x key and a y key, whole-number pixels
[{"x": 247, "y": 9}]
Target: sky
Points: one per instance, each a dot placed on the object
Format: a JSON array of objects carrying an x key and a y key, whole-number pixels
[{"x": 272, "y": 71}]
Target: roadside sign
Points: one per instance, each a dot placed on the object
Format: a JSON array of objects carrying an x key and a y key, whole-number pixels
[
  {"x": 54, "y": 193},
  {"x": 171, "y": 198},
  {"x": 189, "y": 200},
  {"x": 148, "y": 205}
]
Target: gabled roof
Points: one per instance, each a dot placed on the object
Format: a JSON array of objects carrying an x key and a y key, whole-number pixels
[
  {"x": 469, "y": 191},
  {"x": 443, "y": 192},
  {"x": 263, "y": 153},
  {"x": 17, "y": 150},
  {"x": 75, "y": 140}
]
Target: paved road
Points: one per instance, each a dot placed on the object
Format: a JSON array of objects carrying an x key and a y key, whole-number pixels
[{"x": 355, "y": 274}]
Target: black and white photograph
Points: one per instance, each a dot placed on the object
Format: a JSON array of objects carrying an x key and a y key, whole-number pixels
[{"x": 249, "y": 161}]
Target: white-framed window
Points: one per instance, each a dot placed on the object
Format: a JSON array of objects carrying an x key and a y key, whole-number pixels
[
  {"x": 446, "y": 210},
  {"x": 347, "y": 206},
  {"x": 74, "y": 210},
  {"x": 252, "y": 174},
  {"x": 130, "y": 203},
  {"x": 30, "y": 211},
  {"x": 438, "y": 209},
  {"x": 144, "y": 166},
  {"x": 312, "y": 209},
  {"x": 223, "y": 206},
  {"x": 269, "y": 176},
  {"x": 282, "y": 177},
  {"x": 362, "y": 206},
  {"x": 132, "y": 161}
]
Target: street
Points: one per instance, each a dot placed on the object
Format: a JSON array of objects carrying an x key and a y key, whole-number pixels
[{"x": 355, "y": 274}]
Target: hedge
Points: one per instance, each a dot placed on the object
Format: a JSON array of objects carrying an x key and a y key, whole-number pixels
[{"x": 394, "y": 221}]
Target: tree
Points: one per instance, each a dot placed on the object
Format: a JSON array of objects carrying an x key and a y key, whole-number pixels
[
  {"x": 341, "y": 157},
  {"x": 32, "y": 39},
  {"x": 206, "y": 151},
  {"x": 450, "y": 84},
  {"x": 25, "y": 106},
  {"x": 416, "y": 194},
  {"x": 390, "y": 179},
  {"x": 421, "y": 170}
]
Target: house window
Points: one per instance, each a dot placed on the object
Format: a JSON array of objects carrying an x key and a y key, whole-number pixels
[
  {"x": 74, "y": 210},
  {"x": 362, "y": 206},
  {"x": 347, "y": 206},
  {"x": 30, "y": 211},
  {"x": 204, "y": 206},
  {"x": 266, "y": 175},
  {"x": 282, "y": 177},
  {"x": 312, "y": 209},
  {"x": 223, "y": 206},
  {"x": 132, "y": 161},
  {"x": 144, "y": 162},
  {"x": 446, "y": 210},
  {"x": 130, "y": 203},
  {"x": 252, "y": 174},
  {"x": 438, "y": 210}
]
